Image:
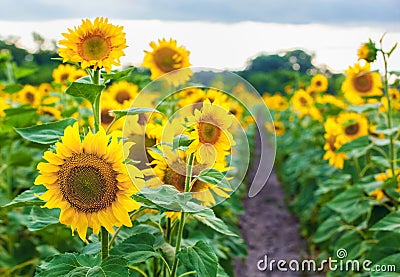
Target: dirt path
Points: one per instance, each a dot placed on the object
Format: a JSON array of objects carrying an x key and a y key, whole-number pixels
[{"x": 269, "y": 229}]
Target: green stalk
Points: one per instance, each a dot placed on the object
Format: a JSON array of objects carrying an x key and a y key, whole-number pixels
[
  {"x": 183, "y": 215},
  {"x": 96, "y": 104},
  {"x": 104, "y": 243}
]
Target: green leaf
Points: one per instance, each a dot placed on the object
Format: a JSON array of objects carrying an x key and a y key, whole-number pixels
[
  {"x": 88, "y": 91},
  {"x": 357, "y": 147},
  {"x": 208, "y": 218},
  {"x": 21, "y": 117},
  {"x": 70, "y": 264},
  {"x": 199, "y": 258},
  {"x": 381, "y": 161},
  {"x": 47, "y": 133},
  {"x": 132, "y": 111},
  {"x": 21, "y": 72},
  {"x": 391, "y": 222},
  {"x": 327, "y": 229},
  {"x": 28, "y": 198},
  {"x": 390, "y": 263},
  {"x": 117, "y": 75},
  {"x": 20, "y": 158},
  {"x": 137, "y": 248},
  {"x": 40, "y": 218},
  {"x": 181, "y": 140},
  {"x": 388, "y": 132},
  {"x": 365, "y": 108},
  {"x": 350, "y": 204},
  {"x": 167, "y": 198},
  {"x": 12, "y": 88},
  {"x": 214, "y": 177}
]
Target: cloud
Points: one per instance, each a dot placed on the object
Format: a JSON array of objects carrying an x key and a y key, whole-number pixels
[{"x": 369, "y": 12}]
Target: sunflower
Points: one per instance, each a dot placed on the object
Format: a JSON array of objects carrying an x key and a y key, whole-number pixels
[
  {"x": 303, "y": 104},
  {"x": 275, "y": 102},
  {"x": 354, "y": 125},
  {"x": 170, "y": 169},
  {"x": 3, "y": 106},
  {"x": 50, "y": 111},
  {"x": 382, "y": 177},
  {"x": 210, "y": 135},
  {"x": 367, "y": 51},
  {"x": 123, "y": 92},
  {"x": 165, "y": 57},
  {"x": 319, "y": 83},
  {"x": 88, "y": 181},
  {"x": 334, "y": 140},
  {"x": 332, "y": 100},
  {"x": 97, "y": 44},
  {"x": 276, "y": 127},
  {"x": 29, "y": 95},
  {"x": 361, "y": 82},
  {"x": 66, "y": 73}
]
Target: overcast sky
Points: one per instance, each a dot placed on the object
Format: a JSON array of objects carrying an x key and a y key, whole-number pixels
[{"x": 365, "y": 12}]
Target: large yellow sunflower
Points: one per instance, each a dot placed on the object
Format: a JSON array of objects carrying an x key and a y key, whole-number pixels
[
  {"x": 334, "y": 138},
  {"x": 123, "y": 92},
  {"x": 170, "y": 169},
  {"x": 361, "y": 82},
  {"x": 211, "y": 138},
  {"x": 29, "y": 95},
  {"x": 354, "y": 125},
  {"x": 165, "y": 57},
  {"x": 88, "y": 181},
  {"x": 97, "y": 44}
]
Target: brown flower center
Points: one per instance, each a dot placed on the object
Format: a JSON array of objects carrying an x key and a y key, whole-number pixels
[
  {"x": 303, "y": 101},
  {"x": 122, "y": 96},
  {"x": 64, "y": 77},
  {"x": 30, "y": 97},
  {"x": 106, "y": 118},
  {"x": 94, "y": 47},
  {"x": 363, "y": 83},
  {"x": 352, "y": 129},
  {"x": 175, "y": 176},
  {"x": 87, "y": 182},
  {"x": 167, "y": 59},
  {"x": 331, "y": 142},
  {"x": 208, "y": 133}
]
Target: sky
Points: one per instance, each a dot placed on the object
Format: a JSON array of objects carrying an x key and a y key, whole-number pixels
[{"x": 220, "y": 33}]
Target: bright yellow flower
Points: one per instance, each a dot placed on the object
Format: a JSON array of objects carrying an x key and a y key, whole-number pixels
[
  {"x": 275, "y": 102},
  {"x": 361, "y": 82},
  {"x": 334, "y": 140},
  {"x": 379, "y": 193},
  {"x": 276, "y": 127},
  {"x": 354, "y": 125},
  {"x": 29, "y": 95},
  {"x": 123, "y": 92},
  {"x": 319, "y": 83},
  {"x": 165, "y": 57},
  {"x": 367, "y": 51},
  {"x": 65, "y": 73},
  {"x": 88, "y": 181},
  {"x": 210, "y": 135},
  {"x": 50, "y": 111},
  {"x": 303, "y": 104},
  {"x": 97, "y": 44},
  {"x": 330, "y": 99}
]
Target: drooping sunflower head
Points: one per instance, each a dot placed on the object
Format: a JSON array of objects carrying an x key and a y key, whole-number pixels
[
  {"x": 319, "y": 83},
  {"x": 367, "y": 51},
  {"x": 88, "y": 181},
  {"x": 165, "y": 57},
  {"x": 123, "y": 92},
  {"x": 354, "y": 125},
  {"x": 361, "y": 82},
  {"x": 96, "y": 44},
  {"x": 170, "y": 168},
  {"x": 211, "y": 137}
]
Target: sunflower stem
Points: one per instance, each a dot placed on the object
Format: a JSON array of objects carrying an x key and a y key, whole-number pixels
[
  {"x": 188, "y": 181},
  {"x": 104, "y": 243},
  {"x": 96, "y": 103}
]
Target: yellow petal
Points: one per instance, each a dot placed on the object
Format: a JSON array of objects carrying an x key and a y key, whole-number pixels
[
  {"x": 121, "y": 214},
  {"x": 53, "y": 158},
  {"x": 47, "y": 167},
  {"x": 46, "y": 179}
]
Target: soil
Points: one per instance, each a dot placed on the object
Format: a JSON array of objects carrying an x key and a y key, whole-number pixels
[{"x": 269, "y": 229}]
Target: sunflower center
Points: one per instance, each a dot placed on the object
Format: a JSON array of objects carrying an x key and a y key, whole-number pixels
[
  {"x": 166, "y": 59},
  {"x": 64, "y": 77},
  {"x": 172, "y": 177},
  {"x": 352, "y": 129},
  {"x": 106, "y": 118},
  {"x": 122, "y": 96},
  {"x": 303, "y": 101},
  {"x": 30, "y": 97},
  {"x": 208, "y": 133},
  {"x": 94, "y": 47},
  {"x": 88, "y": 183},
  {"x": 363, "y": 83}
]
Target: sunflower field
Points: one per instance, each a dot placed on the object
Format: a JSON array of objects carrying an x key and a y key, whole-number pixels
[{"x": 123, "y": 171}]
